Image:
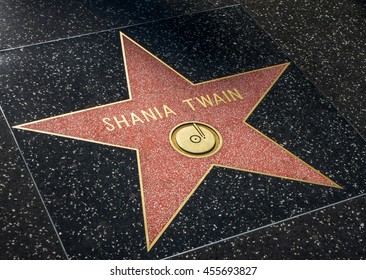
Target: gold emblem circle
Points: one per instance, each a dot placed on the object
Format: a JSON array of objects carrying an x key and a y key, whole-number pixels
[{"x": 195, "y": 139}]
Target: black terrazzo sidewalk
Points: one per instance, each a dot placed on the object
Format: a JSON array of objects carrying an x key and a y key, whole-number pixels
[{"x": 91, "y": 192}]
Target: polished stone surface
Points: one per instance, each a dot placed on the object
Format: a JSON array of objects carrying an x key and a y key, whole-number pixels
[
  {"x": 92, "y": 191},
  {"x": 327, "y": 41},
  {"x": 337, "y": 232},
  {"x": 26, "y": 231},
  {"x": 28, "y": 22}
]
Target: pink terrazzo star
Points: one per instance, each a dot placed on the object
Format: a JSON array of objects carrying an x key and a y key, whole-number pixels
[{"x": 161, "y": 99}]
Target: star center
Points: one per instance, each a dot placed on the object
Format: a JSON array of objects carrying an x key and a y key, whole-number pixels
[{"x": 194, "y": 139}]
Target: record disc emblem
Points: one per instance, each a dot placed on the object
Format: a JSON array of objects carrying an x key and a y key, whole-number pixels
[{"x": 194, "y": 139}]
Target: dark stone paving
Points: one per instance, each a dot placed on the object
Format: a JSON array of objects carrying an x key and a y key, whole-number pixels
[
  {"x": 26, "y": 231},
  {"x": 23, "y": 22},
  {"x": 327, "y": 41},
  {"x": 337, "y": 232},
  {"x": 92, "y": 191}
]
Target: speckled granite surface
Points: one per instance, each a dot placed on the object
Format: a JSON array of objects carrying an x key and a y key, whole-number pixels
[
  {"x": 23, "y": 22},
  {"x": 327, "y": 41},
  {"x": 92, "y": 191},
  {"x": 337, "y": 232},
  {"x": 25, "y": 231}
]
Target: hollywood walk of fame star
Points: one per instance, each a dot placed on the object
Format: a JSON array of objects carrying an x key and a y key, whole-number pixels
[{"x": 160, "y": 100}]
